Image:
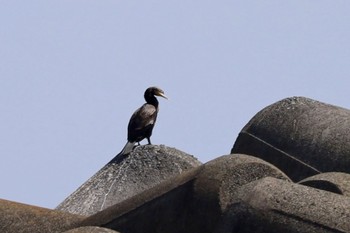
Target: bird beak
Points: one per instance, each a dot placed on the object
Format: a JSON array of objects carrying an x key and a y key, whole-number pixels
[{"x": 162, "y": 95}]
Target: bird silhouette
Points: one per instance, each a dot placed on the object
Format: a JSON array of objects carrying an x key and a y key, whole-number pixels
[{"x": 142, "y": 121}]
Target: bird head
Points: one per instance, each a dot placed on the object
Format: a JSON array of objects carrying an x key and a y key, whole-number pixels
[{"x": 155, "y": 91}]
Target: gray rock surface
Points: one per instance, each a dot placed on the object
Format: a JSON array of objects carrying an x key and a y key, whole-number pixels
[
  {"x": 21, "y": 218},
  {"x": 301, "y": 136},
  {"x": 216, "y": 186},
  {"x": 274, "y": 206},
  {"x": 193, "y": 201},
  {"x": 336, "y": 182},
  {"x": 123, "y": 178},
  {"x": 91, "y": 230},
  {"x": 159, "y": 209}
]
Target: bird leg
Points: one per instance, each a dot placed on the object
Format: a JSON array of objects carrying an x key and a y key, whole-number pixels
[{"x": 149, "y": 141}]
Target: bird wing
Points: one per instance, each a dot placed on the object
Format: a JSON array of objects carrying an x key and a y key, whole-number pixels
[
  {"x": 145, "y": 115},
  {"x": 141, "y": 120}
]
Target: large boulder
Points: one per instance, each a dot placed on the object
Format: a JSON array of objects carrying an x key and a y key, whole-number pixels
[
  {"x": 90, "y": 230},
  {"x": 336, "y": 182},
  {"x": 125, "y": 177},
  {"x": 274, "y": 206},
  {"x": 193, "y": 201},
  {"x": 160, "y": 209},
  {"x": 21, "y": 218},
  {"x": 217, "y": 184},
  {"x": 301, "y": 136}
]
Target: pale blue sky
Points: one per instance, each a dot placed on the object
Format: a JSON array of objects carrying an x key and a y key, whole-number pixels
[{"x": 73, "y": 72}]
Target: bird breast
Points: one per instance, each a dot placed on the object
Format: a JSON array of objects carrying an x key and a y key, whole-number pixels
[{"x": 144, "y": 116}]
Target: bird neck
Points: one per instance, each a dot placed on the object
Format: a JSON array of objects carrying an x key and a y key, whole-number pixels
[{"x": 151, "y": 99}]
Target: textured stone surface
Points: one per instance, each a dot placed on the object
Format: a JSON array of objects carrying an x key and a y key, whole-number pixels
[
  {"x": 336, "y": 182},
  {"x": 158, "y": 209},
  {"x": 21, "y": 218},
  {"x": 91, "y": 230},
  {"x": 217, "y": 184},
  {"x": 301, "y": 136},
  {"x": 190, "y": 202},
  {"x": 123, "y": 178},
  {"x": 274, "y": 206}
]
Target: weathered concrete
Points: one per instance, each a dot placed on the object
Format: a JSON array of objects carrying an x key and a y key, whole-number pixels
[
  {"x": 91, "y": 230},
  {"x": 302, "y": 137},
  {"x": 274, "y": 206},
  {"x": 21, "y": 218},
  {"x": 123, "y": 178},
  {"x": 158, "y": 209},
  {"x": 217, "y": 184},
  {"x": 336, "y": 182},
  {"x": 193, "y": 201}
]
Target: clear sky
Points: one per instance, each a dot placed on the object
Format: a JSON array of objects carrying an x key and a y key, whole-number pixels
[{"x": 73, "y": 72}]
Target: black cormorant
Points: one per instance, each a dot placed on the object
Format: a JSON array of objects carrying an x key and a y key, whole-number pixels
[{"x": 143, "y": 120}]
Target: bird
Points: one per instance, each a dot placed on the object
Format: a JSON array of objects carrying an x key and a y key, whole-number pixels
[{"x": 142, "y": 121}]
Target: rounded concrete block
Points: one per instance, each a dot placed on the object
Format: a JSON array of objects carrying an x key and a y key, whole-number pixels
[
  {"x": 217, "y": 184},
  {"x": 336, "y": 182},
  {"x": 193, "y": 201},
  {"x": 273, "y": 205},
  {"x": 91, "y": 230},
  {"x": 122, "y": 178},
  {"x": 22, "y": 218},
  {"x": 161, "y": 209},
  {"x": 301, "y": 136}
]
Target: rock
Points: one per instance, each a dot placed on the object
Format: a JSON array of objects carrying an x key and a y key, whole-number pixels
[
  {"x": 90, "y": 230},
  {"x": 121, "y": 179},
  {"x": 217, "y": 184},
  {"x": 158, "y": 209},
  {"x": 336, "y": 182},
  {"x": 273, "y": 205},
  {"x": 193, "y": 201},
  {"x": 21, "y": 218},
  {"x": 301, "y": 136}
]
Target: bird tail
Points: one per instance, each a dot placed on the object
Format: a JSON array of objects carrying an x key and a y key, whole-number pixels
[
  {"x": 122, "y": 154},
  {"x": 127, "y": 148}
]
